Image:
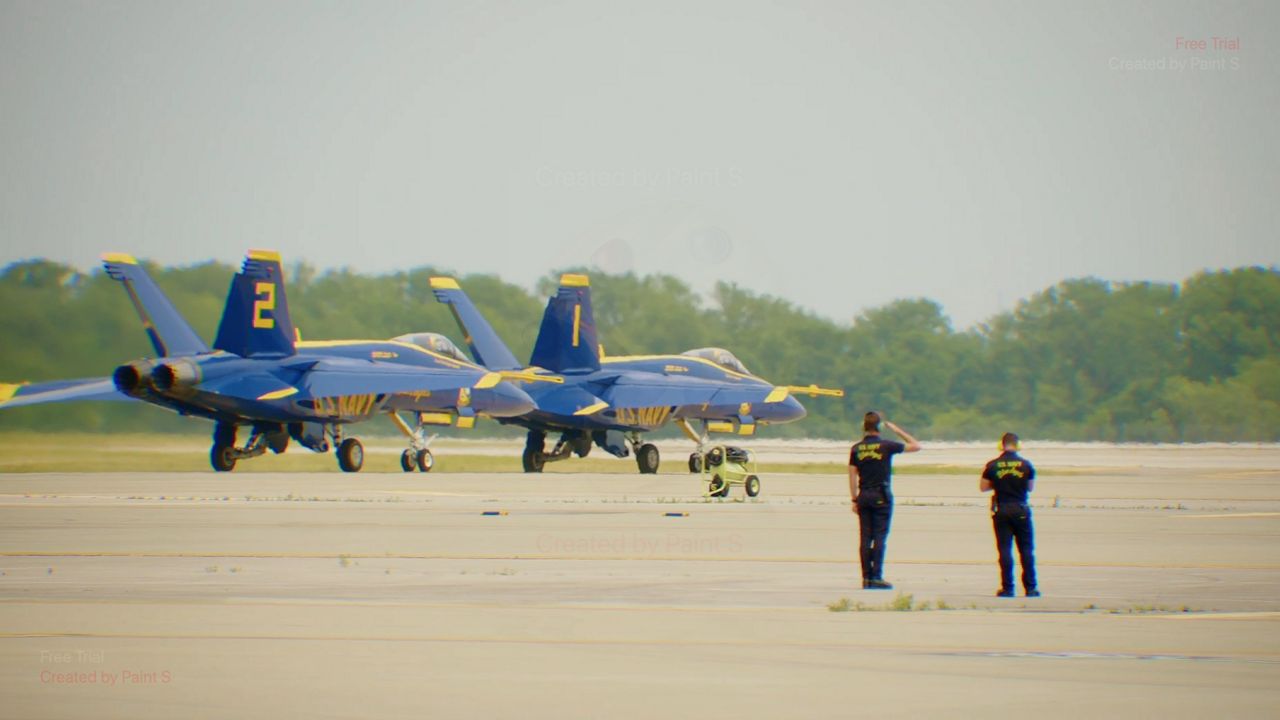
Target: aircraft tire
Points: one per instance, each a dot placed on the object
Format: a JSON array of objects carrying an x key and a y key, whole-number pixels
[
  {"x": 695, "y": 463},
  {"x": 222, "y": 458},
  {"x": 350, "y": 455},
  {"x": 647, "y": 458},
  {"x": 278, "y": 442},
  {"x": 752, "y": 486},
  {"x": 534, "y": 460},
  {"x": 408, "y": 460},
  {"x": 425, "y": 460}
]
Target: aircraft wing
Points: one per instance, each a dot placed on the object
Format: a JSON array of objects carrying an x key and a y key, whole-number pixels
[
  {"x": 331, "y": 378},
  {"x": 636, "y": 391},
  {"x": 570, "y": 400},
  {"x": 59, "y": 391}
]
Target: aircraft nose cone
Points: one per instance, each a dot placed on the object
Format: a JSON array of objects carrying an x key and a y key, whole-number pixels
[
  {"x": 502, "y": 400},
  {"x": 788, "y": 410}
]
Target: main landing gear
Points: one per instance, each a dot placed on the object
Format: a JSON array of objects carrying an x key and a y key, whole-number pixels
[
  {"x": 225, "y": 453},
  {"x": 577, "y": 442}
]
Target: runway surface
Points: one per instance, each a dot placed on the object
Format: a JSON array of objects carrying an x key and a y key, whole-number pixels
[{"x": 396, "y": 595}]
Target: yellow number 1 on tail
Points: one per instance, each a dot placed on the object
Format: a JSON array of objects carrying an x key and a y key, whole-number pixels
[{"x": 267, "y": 301}]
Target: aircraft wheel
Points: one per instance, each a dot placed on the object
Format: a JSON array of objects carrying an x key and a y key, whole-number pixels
[
  {"x": 351, "y": 455},
  {"x": 753, "y": 486},
  {"x": 718, "y": 487},
  {"x": 534, "y": 460},
  {"x": 278, "y": 442},
  {"x": 425, "y": 460},
  {"x": 407, "y": 460},
  {"x": 223, "y": 458},
  {"x": 695, "y": 463},
  {"x": 647, "y": 458}
]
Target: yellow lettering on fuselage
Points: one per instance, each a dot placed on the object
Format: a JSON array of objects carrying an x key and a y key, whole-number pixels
[
  {"x": 643, "y": 417},
  {"x": 346, "y": 405}
]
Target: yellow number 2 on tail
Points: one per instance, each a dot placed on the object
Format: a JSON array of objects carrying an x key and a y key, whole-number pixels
[{"x": 266, "y": 301}]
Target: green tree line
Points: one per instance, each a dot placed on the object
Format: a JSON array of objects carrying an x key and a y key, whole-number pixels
[{"x": 1083, "y": 360}]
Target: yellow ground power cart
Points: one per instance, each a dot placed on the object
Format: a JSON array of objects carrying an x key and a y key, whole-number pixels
[{"x": 726, "y": 466}]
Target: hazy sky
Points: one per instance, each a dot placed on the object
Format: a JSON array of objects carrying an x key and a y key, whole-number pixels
[{"x": 836, "y": 154}]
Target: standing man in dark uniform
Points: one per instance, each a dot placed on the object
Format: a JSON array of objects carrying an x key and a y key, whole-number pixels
[
  {"x": 870, "y": 472},
  {"x": 1012, "y": 477}
]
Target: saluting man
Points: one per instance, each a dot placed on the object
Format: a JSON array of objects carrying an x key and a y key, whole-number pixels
[
  {"x": 1012, "y": 477},
  {"x": 870, "y": 473}
]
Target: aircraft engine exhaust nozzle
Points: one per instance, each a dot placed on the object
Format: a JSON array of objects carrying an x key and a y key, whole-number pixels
[
  {"x": 502, "y": 400},
  {"x": 133, "y": 379},
  {"x": 168, "y": 376}
]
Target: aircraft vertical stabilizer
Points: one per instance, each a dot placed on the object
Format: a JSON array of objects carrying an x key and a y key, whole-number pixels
[
  {"x": 256, "y": 319},
  {"x": 170, "y": 333},
  {"x": 567, "y": 339},
  {"x": 486, "y": 347}
]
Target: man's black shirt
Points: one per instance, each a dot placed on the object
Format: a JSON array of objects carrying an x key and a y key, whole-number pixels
[
  {"x": 1010, "y": 476},
  {"x": 873, "y": 456}
]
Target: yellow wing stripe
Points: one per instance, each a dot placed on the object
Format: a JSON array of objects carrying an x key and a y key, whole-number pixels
[
  {"x": 489, "y": 380},
  {"x": 592, "y": 409},
  {"x": 572, "y": 280},
  {"x": 277, "y": 394},
  {"x": 444, "y": 283},
  {"x": 8, "y": 390},
  {"x": 122, "y": 258}
]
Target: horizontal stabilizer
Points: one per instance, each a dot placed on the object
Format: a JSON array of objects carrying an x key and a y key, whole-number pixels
[
  {"x": 171, "y": 335},
  {"x": 86, "y": 389}
]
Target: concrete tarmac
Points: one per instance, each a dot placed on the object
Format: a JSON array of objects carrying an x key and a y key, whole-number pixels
[{"x": 570, "y": 595}]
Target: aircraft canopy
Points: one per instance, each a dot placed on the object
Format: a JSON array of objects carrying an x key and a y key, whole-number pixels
[
  {"x": 435, "y": 342},
  {"x": 721, "y": 357}
]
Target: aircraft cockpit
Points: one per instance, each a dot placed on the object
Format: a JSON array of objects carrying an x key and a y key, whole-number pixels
[
  {"x": 436, "y": 343},
  {"x": 721, "y": 357}
]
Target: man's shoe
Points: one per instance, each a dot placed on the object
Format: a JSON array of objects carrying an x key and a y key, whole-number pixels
[
  {"x": 877, "y": 585},
  {"x": 865, "y": 583},
  {"x": 1005, "y": 592},
  {"x": 1032, "y": 592}
]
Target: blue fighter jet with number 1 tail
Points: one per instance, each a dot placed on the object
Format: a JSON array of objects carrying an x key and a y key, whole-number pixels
[
  {"x": 611, "y": 401},
  {"x": 259, "y": 375}
]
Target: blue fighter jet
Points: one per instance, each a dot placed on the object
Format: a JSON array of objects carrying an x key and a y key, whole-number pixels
[
  {"x": 259, "y": 375},
  {"x": 611, "y": 401}
]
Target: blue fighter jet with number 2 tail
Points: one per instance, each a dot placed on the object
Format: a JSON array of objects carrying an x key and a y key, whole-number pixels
[
  {"x": 259, "y": 375},
  {"x": 611, "y": 401}
]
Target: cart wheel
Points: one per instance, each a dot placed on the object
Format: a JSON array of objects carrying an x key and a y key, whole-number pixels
[
  {"x": 753, "y": 486},
  {"x": 695, "y": 463},
  {"x": 718, "y": 487},
  {"x": 715, "y": 457}
]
